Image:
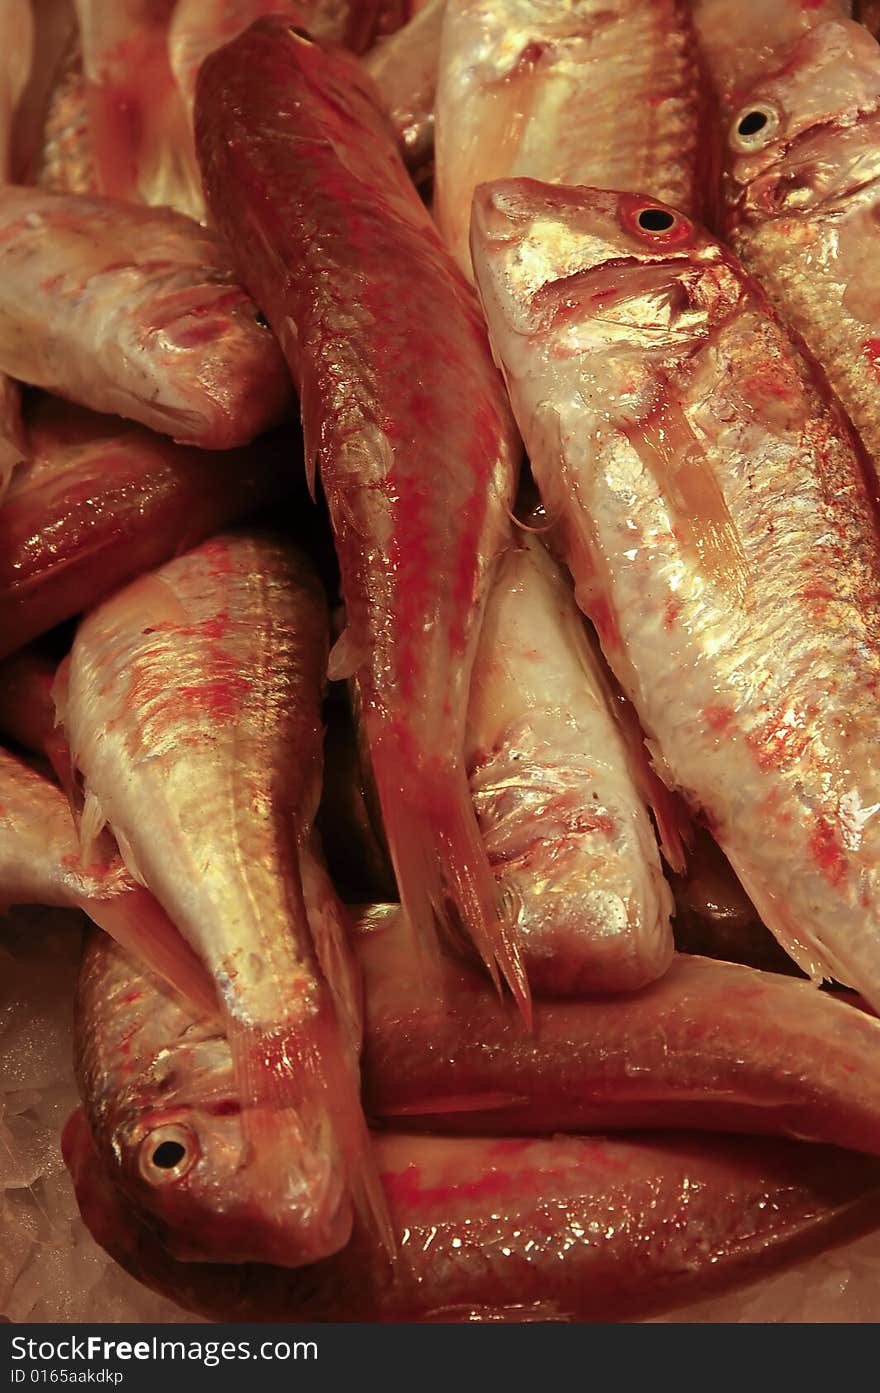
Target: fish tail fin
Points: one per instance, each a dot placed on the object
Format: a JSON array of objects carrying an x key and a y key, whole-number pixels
[
  {"x": 305, "y": 1135},
  {"x": 441, "y": 865},
  {"x": 330, "y": 936},
  {"x": 140, "y": 925}
]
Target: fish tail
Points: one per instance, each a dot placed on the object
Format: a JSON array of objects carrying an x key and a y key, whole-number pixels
[
  {"x": 330, "y": 936},
  {"x": 306, "y": 1139},
  {"x": 140, "y": 925},
  {"x": 442, "y": 868}
]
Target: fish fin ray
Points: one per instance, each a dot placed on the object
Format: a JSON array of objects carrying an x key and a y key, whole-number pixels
[
  {"x": 431, "y": 825},
  {"x": 92, "y": 822},
  {"x": 140, "y": 925},
  {"x": 330, "y": 937}
]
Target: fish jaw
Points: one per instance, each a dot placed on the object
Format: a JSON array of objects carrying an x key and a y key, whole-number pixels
[
  {"x": 529, "y": 237},
  {"x": 567, "y": 834},
  {"x": 787, "y": 733}
]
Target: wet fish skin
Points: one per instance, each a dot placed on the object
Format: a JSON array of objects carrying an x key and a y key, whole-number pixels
[
  {"x": 198, "y": 27},
  {"x": 568, "y": 835},
  {"x": 39, "y": 851},
  {"x": 802, "y": 202},
  {"x": 712, "y": 1046},
  {"x": 41, "y": 862},
  {"x": 404, "y": 68},
  {"x": 418, "y": 474},
  {"x": 67, "y": 160},
  {"x": 148, "y": 1075},
  {"x": 27, "y": 709},
  {"x": 744, "y": 39},
  {"x": 196, "y": 691},
  {"x": 583, "y": 93},
  {"x": 140, "y": 136},
  {"x": 102, "y": 500},
  {"x": 483, "y": 1226},
  {"x": 136, "y": 312},
  {"x": 708, "y": 487}
]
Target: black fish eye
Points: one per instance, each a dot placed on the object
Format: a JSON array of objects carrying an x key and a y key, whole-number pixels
[
  {"x": 754, "y": 126},
  {"x": 167, "y": 1153},
  {"x": 261, "y": 319},
  {"x": 655, "y": 220},
  {"x": 752, "y": 122}
]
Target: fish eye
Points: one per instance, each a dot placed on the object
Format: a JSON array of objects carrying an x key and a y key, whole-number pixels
[
  {"x": 754, "y": 127},
  {"x": 167, "y": 1153},
  {"x": 656, "y": 220},
  {"x": 653, "y": 223}
]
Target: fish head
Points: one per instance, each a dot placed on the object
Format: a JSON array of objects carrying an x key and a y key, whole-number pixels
[
  {"x": 607, "y": 287},
  {"x": 217, "y": 1179},
  {"x": 226, "y": 1291},
  {"x": 807, "y": 134}
]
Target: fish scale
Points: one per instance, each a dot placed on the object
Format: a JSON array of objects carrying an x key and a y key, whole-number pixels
[
  {"x": 134, "y": 311},
  {"x": 506, "y": 1227},
  {"x": 802, "y": 196},
  {"x": 759, "y": 697},
  {"x": 196, "y": 692},
  {"x": 602, "y": 92},
  {"x": 404, "y": 415}
]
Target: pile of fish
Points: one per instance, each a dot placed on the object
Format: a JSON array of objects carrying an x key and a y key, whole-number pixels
[{"x": 440, "y": 639}]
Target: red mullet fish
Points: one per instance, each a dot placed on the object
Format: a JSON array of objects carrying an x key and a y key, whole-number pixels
[
  {"x": 583, "y": 93},
  {"x": 803, "y": 200},
  {"x": 512, "y": 1230},
  {"x": 718, "y": 521},
  {"x": 196, "y": 692},
  {"x": 403, "y": 411},
  {"x": 134, "y": 311},
  {"x": 568, "y": 835},
  {"x": 100, "y": 500}
]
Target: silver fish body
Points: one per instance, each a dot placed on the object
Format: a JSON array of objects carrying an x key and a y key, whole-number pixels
[{"x": 721, "y": 532}]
